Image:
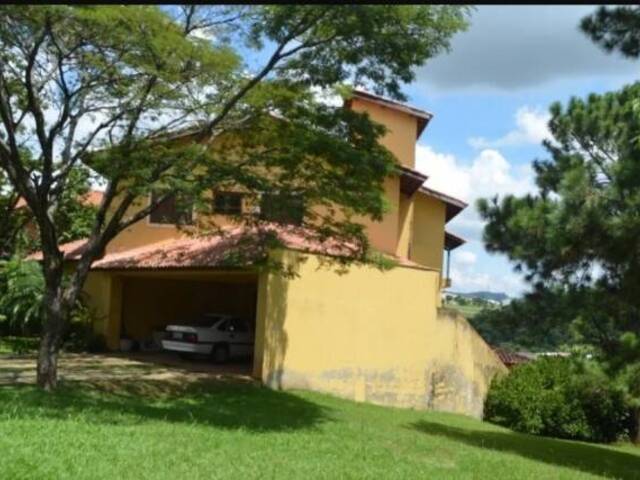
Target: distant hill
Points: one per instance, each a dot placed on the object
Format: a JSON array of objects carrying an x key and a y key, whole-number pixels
[{"x": 495, "y": 296}]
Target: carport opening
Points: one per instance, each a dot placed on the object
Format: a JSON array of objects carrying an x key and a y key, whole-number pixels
[{"x": 152, "y": 301}]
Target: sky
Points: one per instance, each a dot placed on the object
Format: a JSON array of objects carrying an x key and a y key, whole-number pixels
[{"x": 490, "y": 97}]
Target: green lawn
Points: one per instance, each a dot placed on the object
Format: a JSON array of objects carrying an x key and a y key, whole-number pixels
[
  {"x": 468, "y": 311},
  {"x": 160, "y": 429}
]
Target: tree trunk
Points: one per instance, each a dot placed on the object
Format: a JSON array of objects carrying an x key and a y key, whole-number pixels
[
  {"x": 50, "y": 342},
  {"x": 635, "y": 427},
  {"x": 48, "y": 362},
  {"x": 55, "y": 317},
  {"x": 58, "y": 306}
]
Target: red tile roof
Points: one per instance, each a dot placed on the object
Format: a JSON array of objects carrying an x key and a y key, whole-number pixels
[
  {"x": 510, "y": 358},
  {"x": 237, "y": 247},
  {"x": 93, "y": 197}
]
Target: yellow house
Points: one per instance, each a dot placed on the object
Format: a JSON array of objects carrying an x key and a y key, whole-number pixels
[{"x": 367, "y": 334}]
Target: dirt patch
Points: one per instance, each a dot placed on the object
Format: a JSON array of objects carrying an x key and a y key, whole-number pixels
[{"x": 116, "y": 367}]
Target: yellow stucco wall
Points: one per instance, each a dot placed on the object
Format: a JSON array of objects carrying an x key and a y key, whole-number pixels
[
  {"x": 383, "y": 235},
  {"x": 103, "y": 294},
  {"x": 370, "y": 336},
  {"x": 427, "y": 242},
  {"x": 405, "y": 226},
  {"x": 402, "y": 129}
]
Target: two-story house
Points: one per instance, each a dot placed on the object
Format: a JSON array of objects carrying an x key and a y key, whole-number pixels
[{"x": 369, "y": 334}]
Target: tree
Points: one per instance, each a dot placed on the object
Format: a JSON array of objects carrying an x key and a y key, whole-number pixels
[
  {"x": 581, "y": 232},
  {"x": 539, "y": 321},
  {"x": 11, "y": 221},
  {"x": 615, "y": 28},
  {"x": 73, "y": 217},
  {"x": 112, "y": 85}
]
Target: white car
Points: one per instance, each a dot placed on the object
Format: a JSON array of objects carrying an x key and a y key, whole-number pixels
[{"x": 218, "y": 335}]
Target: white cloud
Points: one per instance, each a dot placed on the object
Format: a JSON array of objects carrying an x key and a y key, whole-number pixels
[
  {"x": 466, "y": 279},
  {"x": 531, "y": 128},
  {"x": 488, "y": 174},
  {"x": 466, "y": 258},
  {"x": 327, "y": 96}
]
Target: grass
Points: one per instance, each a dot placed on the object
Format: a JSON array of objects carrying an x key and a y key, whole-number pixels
[
  {"x": 229, "y": 429},
  {"x": 469, "y": 310}
]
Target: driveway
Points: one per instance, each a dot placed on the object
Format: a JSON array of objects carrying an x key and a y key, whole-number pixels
[{"x": 107, "y": 367}]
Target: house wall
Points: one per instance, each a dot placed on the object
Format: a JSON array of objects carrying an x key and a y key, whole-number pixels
[
  {"x": 370, "y": 336},
  {"x": 427, "y": 239},
  {"x": 393, "y": 234},
  {"x": 402, "y": 129},
  {"x": 103, "y": 294},
  {"x": 405, "y": 226},
  {"x": 383, "y": 235}
]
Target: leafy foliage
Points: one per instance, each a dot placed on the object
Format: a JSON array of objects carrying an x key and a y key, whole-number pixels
[
  {"x": 615, "y": 28},
  {"x": 540, "y": 321},
  {"x": 22, "y": 289},
  {"x": 548, "y": 397},
  {"x": 21, "y": 293},
  {"x": 580, "y": 234}
]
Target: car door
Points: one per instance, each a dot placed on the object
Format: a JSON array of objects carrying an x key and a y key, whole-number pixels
[{"x": 239, "y": 338}]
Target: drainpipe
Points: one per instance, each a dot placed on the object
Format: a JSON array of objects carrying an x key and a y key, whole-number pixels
[{"x": 448, "y": 263}]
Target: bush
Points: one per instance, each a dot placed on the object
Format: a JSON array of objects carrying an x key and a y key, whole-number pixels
[
  {"x": 21, "y": 292},
  {"x": 550, "y": 397}
]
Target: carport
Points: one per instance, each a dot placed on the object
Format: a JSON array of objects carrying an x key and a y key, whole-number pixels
[
  {"x": 136, "y": 293},
  {"x": 152, "y": 300},
  {"x": 143, "y": 303}
]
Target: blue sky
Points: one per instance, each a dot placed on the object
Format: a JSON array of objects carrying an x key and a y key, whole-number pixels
[{"x": 490, "y": 96}]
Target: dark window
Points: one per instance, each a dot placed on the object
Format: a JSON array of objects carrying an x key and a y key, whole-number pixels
[
  {"x": 282, "y": 208},
  {"x": 170, "y": 212},
  {"x": 223, "y": 326},
  {"x": 227, "y": 203},
  {"x": 238, "y": 325}
]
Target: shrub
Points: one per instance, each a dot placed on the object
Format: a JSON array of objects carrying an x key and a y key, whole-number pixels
[
  {"x": 21, "y": 292},
  {"x": 21, "y": 309},
  {"x": 550, "y": 397}
]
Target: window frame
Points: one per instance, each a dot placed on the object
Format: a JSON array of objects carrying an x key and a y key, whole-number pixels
[
  {"x": 151, "y": 223},
  {"x": 278, "y": 194},
  {"x": 221, "y": 194}
]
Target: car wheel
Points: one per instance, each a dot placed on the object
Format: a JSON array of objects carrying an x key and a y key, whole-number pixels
[{"x": 220, "y": 353}]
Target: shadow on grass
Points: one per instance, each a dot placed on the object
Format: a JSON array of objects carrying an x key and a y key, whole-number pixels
[
  {"x": 220, "y": 404},
  {"x": 597, "y": 460}
]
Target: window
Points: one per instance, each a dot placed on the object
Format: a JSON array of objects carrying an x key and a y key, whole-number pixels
[
  {"x": 223, "y": 326},
  {"x": 227, "y": 203},
  {"x": 238, "y": 325},
  {"x": 282, "y": 208},
  {"x": 168, "y": 212}
]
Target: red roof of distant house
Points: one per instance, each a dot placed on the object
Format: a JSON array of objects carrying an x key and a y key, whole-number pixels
[
  {"x": 93, "y": 197},
  {"x": 236, "y": 247},
  {"x": 510, "y": 358}
]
